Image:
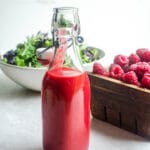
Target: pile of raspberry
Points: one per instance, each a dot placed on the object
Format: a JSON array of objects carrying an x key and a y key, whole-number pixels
[{"x": 133, "y": 69}]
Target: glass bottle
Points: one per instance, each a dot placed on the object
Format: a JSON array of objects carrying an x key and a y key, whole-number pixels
[{"x": 65, "y": 88}]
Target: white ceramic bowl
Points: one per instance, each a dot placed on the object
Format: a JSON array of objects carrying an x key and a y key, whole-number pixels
[
  {"x": 30, "y": 77},
  {"x": 27, "y": 77}
]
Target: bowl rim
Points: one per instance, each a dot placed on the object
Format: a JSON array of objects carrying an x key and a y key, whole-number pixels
[{"x": 33, "y": 68}]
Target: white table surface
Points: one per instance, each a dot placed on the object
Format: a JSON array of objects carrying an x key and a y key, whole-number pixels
[{"x": 118, "y": 26}]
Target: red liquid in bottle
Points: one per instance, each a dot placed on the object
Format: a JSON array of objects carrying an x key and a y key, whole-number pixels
[{"x": 66, "y": 110}]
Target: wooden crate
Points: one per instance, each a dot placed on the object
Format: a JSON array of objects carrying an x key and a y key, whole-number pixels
[{"x": 120, "y": 104}]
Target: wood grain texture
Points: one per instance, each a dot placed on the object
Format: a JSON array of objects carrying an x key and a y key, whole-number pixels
[{"x": 123, "y": 105}]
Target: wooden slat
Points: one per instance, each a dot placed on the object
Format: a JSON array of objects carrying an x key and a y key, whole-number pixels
[{"x": 126, "y": 106}]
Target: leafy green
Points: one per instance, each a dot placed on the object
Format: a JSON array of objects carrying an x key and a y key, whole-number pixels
[
  {"x": 62, "y": 22},
  {"x": 68, "y": 61},
  {"x": 89, "y": 54},
  {"x": 25, "y": 53}
]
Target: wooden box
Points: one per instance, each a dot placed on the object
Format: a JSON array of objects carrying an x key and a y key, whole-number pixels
[{"x": 121, "y": 104}]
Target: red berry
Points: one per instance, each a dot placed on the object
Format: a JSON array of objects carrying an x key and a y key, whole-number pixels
[
  {"x": 146, "y": 80},
  {"x": 126, "y": 68},
  {"x": 146, "y": 56},
  {"x": 140, "y": 52},
  {"x": 140, "y": 68},
  {"x": 134, "y": 58},
  {"x": 99, "y": 69},
  {"x": 116, "y": 71},
  {"x": 130, "y": 77},
  {"x": 133, "y": 67},
  {"x": 121, "y": 60}
]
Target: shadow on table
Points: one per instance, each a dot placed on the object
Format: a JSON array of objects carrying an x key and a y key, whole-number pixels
[
  {"x": 108, "y": 130},
  {"x": 34, "y": 149},
  {"x": 11, "y": 90},
  {"x": 17, "y": 92}
]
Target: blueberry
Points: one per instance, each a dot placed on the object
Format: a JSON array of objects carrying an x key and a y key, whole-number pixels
[
  {"x": 10, "y": 56},
  {"x": 12, "y": 61},
  {"x": 88, "y": 54}
]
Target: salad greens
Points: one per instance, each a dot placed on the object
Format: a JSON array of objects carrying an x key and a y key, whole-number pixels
[
  {"x": 62, "y": 22},
  {"x": 89, "y": 54},
  {"x": 25, "y": 53}
]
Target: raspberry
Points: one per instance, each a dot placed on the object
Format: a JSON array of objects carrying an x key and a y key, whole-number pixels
[
  {"x": 146, "y": 56},
  {"x": 134, "y": 58},
  {"x": 116, "y": 71},
  {"x": 146, "y": 80},
  {"x": 125, "y": 68},
  {"x": 131, "y": 78},
  {"x": 121, "y": 60},
  {"x": 140, "y": 52},
  {"x": 99, "y": 69},
  {"x": 132, "y": 67},
  {"x": 140, "y": 68}
]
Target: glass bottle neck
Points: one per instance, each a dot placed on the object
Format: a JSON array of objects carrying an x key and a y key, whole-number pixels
[
  {"x": 65, "y": 30},
  {"x": 66, "y": 17}
]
